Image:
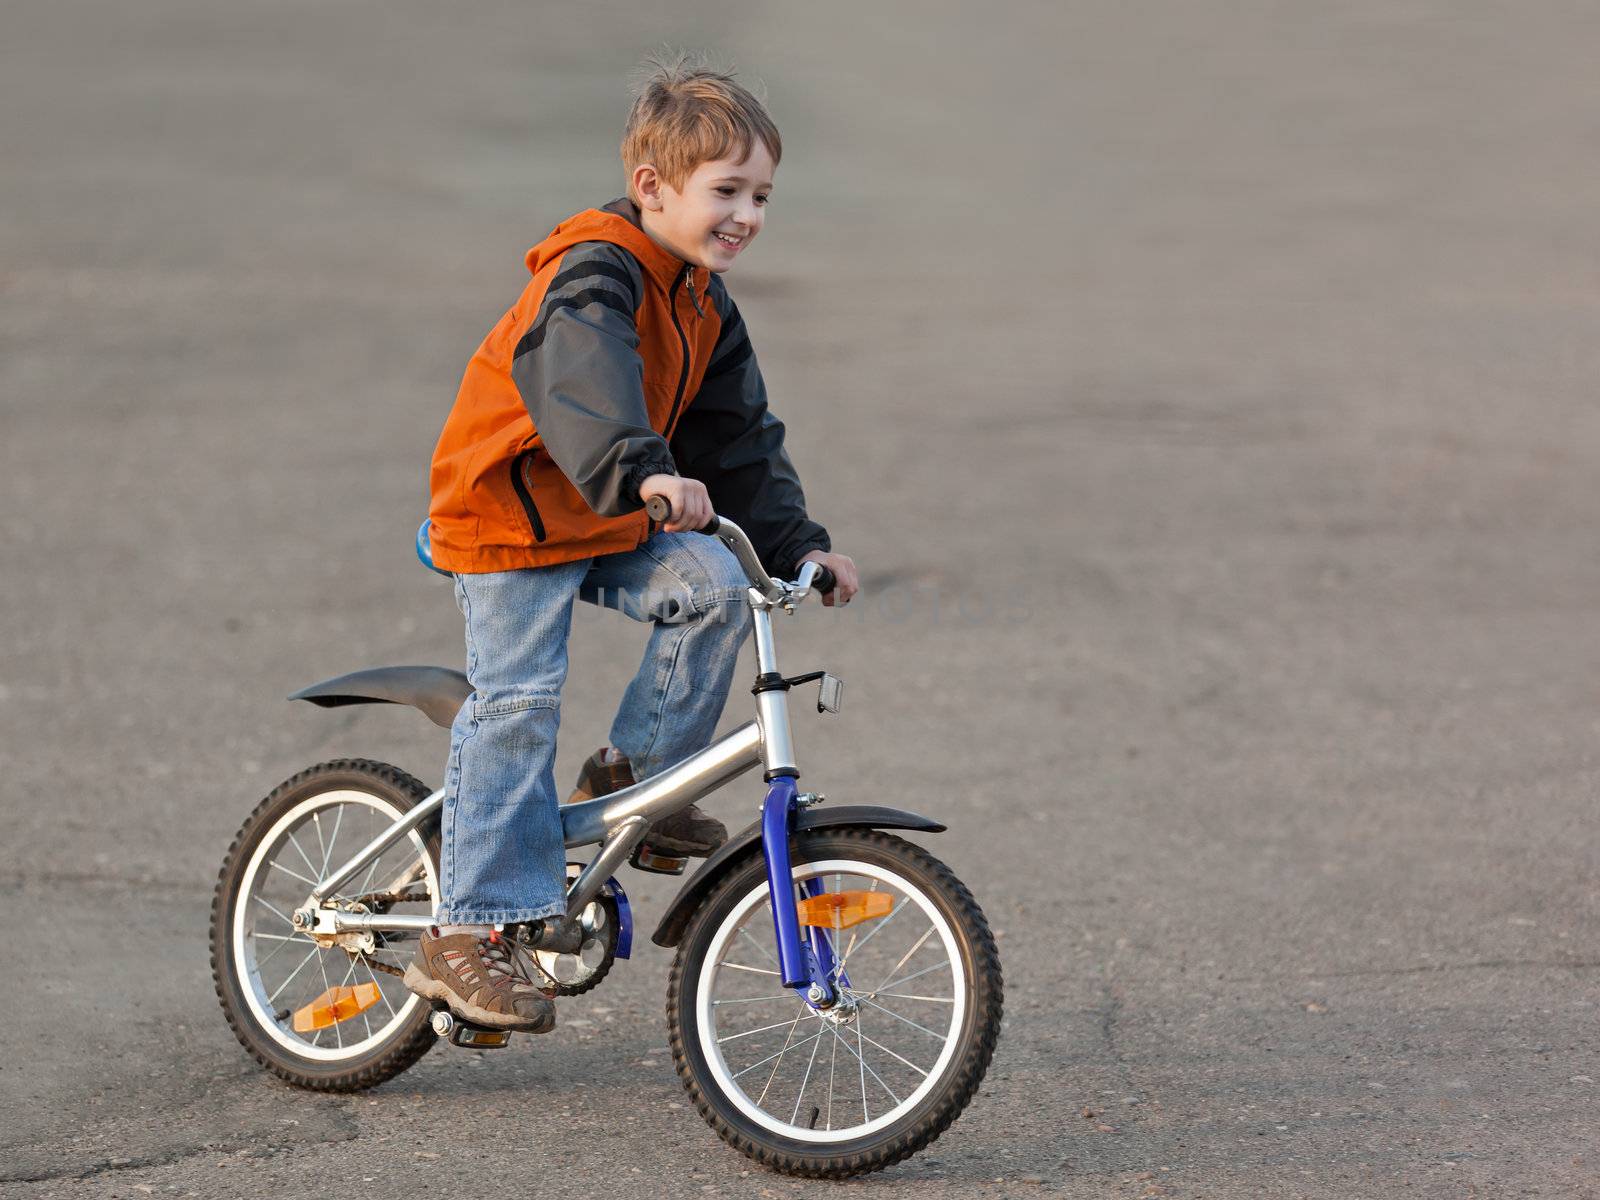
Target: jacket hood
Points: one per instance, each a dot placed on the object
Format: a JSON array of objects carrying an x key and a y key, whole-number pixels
[{"x": 618, "y": 224}]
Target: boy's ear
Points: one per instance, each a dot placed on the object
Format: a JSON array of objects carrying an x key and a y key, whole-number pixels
[{"x": 647, "y": 186}]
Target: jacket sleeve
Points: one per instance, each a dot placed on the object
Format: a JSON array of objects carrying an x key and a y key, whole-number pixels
[
  {"x": 579, "y": 372},
  {"x": 729, "y": 440}
]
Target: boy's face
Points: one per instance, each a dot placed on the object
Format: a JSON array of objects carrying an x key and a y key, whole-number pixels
[{"x": 716, "y": 215}]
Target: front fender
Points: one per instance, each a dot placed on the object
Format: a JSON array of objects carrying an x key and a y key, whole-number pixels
[{"x": 673, "y": 922}]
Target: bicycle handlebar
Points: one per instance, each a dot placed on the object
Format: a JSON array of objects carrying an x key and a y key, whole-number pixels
[
  {"x": 738, "y": 541},
  {"x": 660, "y": 511}
]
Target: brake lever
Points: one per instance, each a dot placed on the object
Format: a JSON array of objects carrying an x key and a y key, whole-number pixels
[{"x": 801, "y": 589}]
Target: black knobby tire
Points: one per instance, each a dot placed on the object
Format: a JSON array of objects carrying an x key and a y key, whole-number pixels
[
  {"x": 407, "y": 1043},
  {"x": 959, "y": 1082}
]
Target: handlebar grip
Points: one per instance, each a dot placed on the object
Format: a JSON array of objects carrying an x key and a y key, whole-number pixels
[
  {"x": 825, "y": 581},
  {"x": 660, "y": 512}
]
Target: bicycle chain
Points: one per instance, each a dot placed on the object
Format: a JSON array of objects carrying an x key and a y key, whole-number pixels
[{"x": 373, "y": 964}]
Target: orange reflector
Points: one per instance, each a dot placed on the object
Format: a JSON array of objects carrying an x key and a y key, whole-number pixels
[
  {"x": 841, "y": 910},
  {"x": 335, "y": 1005}
]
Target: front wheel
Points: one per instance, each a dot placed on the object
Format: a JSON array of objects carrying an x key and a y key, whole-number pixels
[{"x": 829, "y": 1094}]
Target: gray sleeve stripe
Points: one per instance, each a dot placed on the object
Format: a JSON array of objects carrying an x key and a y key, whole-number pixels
[
  {"x": 732, "y": 348},
  {"x": 735, "y": 358},
  {"x": 534, "y": 338},
  {"x": 594, "y": 269}
]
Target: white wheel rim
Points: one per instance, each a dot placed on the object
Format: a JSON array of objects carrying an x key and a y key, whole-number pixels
[
  {"x": 245, "y": 965},
  {"x": 706, "y": 1009}
]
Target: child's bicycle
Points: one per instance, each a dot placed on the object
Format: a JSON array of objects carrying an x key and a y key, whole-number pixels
[{"x": 836, "y": 994}]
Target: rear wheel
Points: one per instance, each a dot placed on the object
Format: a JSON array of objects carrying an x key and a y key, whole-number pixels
[
  {"x": 328, "y": 1018},
  {"x": 834, "y": 1093}
]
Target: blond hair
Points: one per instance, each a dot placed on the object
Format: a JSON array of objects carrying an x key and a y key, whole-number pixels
[{"x": 687, "y": 113}]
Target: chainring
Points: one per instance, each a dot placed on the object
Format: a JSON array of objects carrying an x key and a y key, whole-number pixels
[{"x": 572, "y": 973}]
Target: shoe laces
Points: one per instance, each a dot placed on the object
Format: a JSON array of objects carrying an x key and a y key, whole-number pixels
[{"x": 495, "y": 951}]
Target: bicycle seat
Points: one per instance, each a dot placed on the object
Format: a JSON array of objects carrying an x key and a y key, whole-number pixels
[{"x": 424, "y": 549}]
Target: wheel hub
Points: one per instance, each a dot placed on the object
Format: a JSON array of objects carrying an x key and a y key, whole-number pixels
[{"x": 843, "y": 1012}]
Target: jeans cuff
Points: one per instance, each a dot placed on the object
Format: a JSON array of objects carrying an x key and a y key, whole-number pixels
[{"x": 498, "y": 916}]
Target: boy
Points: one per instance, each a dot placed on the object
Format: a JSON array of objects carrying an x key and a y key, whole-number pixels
[{"x": 623, "y": 372}]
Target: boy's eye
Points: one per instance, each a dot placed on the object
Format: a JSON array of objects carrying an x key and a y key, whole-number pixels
[
  {"x": 724, "y": 191},
  {"x": 762, "y": 199}
]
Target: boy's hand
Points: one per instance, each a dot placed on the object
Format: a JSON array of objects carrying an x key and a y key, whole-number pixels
[
  {"x": 844, "y": 572},
  {"x": 691, "y": 503}
]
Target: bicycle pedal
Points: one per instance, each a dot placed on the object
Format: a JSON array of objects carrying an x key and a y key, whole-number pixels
[
  {"x": 467, "y": 1035},
  {"x": 647, "y": 859}
]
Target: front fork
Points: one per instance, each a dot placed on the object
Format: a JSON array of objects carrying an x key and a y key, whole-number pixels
[{"x": 806, "y": 961}]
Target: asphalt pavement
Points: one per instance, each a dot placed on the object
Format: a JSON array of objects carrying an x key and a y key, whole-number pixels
[{"x": 1206, "y": 391}]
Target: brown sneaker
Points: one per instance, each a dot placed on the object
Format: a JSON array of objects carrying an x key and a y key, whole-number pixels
[
  {"x": 600, "y": 778},
  {"x": 689, "y": 832},
  {"x": 481, "y": 981}
]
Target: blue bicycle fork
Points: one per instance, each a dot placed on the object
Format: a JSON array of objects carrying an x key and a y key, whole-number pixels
[{"x": 805, "y": 962}]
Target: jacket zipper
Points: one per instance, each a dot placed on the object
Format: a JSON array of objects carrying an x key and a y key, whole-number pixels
[
  {"x": 683, "y": 338},
  {"x": 519, "y": 482}
]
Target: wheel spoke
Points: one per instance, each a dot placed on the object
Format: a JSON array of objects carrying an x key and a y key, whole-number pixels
[
  {"x": 372, "y": 869},
  {"x": 338, "y": 1036},
  {"x": 259, "y": 899},
  {"x": 805, "y": 1079},
  {"x": 767, "y": 954},
  {"x": 770, "y": 1057},
  {"x": 754, "y": 999},
  {"x": 333, "y": 840},
  {"x": 865, "y": 1115},
  {"x": 866, "y": 1070},
  {"x": 876, "y": 930},
  {"x": 833, "y": 1059},
  {"x": 322, "y": 846},
  {"x": 741, "y": 967},
  {"x": 295, "y": 842},
  {"x": 382, "y": 995},
  {"x": 907, "y": 1020},
  {"x": 929, "y": 999},
  {"x": 907, "y": 979},
  {"x": 314, "y": 952},
  {"x": 292, "y": 874},
  {"x": 915, "y": 946},
  {"x": 733, "y": 1037},
  {"x": 276, "y": 950},
  {"x": 839, "y": 886},
  {"x": 349, "y": 974},
  {"x": 773, "y": 1074},
  {"x": 890, "y": 1053}
]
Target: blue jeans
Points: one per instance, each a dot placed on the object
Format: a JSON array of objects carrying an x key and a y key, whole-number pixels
[{"x": 502, "y": 857}]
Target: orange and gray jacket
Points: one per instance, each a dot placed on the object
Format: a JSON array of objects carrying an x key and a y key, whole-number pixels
[{"x": 619, "y": 361}]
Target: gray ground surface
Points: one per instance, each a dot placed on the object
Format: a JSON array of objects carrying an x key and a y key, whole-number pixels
[{"x": 1207, "y": 392}]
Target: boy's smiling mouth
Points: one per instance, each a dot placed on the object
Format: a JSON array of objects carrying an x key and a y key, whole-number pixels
[{"x": 728, "y": 239}]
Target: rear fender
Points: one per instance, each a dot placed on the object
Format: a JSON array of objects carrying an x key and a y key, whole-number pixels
[
  {"x": 869, "y": 816},
  {"x": 437, "y": 692}
]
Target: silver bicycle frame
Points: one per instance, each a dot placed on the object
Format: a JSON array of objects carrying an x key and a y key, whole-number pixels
[{"x": 618, "y": 822}]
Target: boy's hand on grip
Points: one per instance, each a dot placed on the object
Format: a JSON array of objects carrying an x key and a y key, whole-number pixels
[
  {"x": 690, "y": 502},
  {"x": 844, "y": 572}
]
